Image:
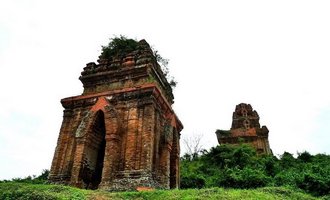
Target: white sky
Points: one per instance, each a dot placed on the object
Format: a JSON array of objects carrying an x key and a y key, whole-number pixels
[{"x": 271, "y": 54}]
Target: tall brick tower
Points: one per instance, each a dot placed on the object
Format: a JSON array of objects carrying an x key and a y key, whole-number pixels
[
  {"x": 246, "y": 128},
  {"x": 122, "y": 132}
]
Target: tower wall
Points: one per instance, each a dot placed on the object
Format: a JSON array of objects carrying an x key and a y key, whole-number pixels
[
  {"x": 246, "y": 128},
  {"x": 121, "y": 133}
]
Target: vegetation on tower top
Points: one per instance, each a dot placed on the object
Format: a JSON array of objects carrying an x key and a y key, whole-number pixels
[{"x": 118, "y": 46}]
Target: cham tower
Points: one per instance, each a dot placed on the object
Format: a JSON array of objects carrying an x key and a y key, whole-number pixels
[
  {"x": 121, "y": 133},
  {"x": 246, "y": 128}
]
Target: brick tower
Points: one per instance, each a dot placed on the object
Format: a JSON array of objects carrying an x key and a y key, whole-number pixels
[
  {"x": 246, "y": 128},
  {"x": 121, "y": 133}
]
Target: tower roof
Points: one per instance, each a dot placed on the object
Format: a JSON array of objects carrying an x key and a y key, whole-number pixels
[
  {"x": 244, "y": 116},
  {"x": 131, "y": 67},
  {"x": 245, "y": 127}
]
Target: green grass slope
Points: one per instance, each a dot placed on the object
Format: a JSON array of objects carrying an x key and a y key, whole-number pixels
[{"x": 12, "y": 190}]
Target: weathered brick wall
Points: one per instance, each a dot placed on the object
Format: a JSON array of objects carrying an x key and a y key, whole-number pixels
[
  {"x": 121, "y": 133},
  {"x": 246, "y": 128}
]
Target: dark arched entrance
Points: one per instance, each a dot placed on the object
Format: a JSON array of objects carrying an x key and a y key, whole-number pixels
[{"x": 94, "y": 153}]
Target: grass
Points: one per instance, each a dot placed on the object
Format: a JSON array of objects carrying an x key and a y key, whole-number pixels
[
  {"x": 12, "y": 190},
  {"x": 17, "y": 191}
]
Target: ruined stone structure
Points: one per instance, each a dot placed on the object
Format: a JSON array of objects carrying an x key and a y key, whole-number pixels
[
  {"x": 246, "y": 128},
  {"x": 121, "y": 133}
]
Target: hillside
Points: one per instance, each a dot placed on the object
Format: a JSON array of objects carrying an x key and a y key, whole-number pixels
[
  {"x": 241, "y": 167},
  {"x": 12, "y": 190}
]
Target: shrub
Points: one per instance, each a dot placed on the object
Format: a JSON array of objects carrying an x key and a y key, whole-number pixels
[
  {"x": 287, "y": 161},
  {"x": 315, "y": 184},
  {"x": 240, "y": 167},
  {"x": 305, "y": 157},
  {"x": 117, "y": 47},
  {"x": 192, "y": 181},
  {"x": 287, "y": 178},
  {"x": 245, "y": 178}
]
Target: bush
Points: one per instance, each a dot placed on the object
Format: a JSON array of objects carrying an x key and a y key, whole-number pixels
[
  {"x": 315, "y": 184},
  {"x": 118, "y": 47},
  {"x": 287, "y": 178},
  {"x": 240, "y": 167},
  {"x": 305, "y": 157},
  {"x": 192, "y": 181},
  {"x": 41, "y": 179},
  {"x": 245, "y": 178},
  {"x": 23, "y": 191}
]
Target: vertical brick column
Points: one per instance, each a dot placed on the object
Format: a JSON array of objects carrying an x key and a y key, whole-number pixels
[
  {"x": 132, "y": 137},
  {"x": 56, "y": 167},
  {"x": 174, "y": 165},
  {"x": 148, "y": 133},
  {"x": 77, "y": 163},
  {"x": 164, "y": 164},
  {"x": 156, "y": 143}
]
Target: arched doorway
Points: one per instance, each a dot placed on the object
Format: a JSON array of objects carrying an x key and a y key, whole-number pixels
[{"x": 94, "y": 153}]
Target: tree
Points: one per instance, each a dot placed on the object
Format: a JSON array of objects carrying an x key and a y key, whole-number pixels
[
  {"x": 193, "y": 145},
  {"x": 305, "y": 157}
]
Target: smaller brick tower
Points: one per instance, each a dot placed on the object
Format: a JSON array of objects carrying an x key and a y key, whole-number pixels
[
  {"x": 122, "y": 132},
  {"x": 246, "y": 128}
]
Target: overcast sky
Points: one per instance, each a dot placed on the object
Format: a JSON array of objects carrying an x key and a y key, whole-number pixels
[{"x": 274, "y": 55}]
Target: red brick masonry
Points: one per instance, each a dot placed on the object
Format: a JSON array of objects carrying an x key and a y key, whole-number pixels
[
  {"x": 246, "y": 128},
  {"x": 121, "y": 133}
]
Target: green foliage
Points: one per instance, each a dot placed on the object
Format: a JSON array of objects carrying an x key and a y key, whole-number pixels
[
  {"x": 118, "y": 47},
  {"x": 287, "y": 177},
  {"x": 287, "y": 161},
  {"x": 244, "y": 178},
  {"x": 229, "y": 156},
  {"x": 215, "y": 194},
  {"x": 305, "y": 157},
  {"x": 240, "y": 167},
  {"x": 20, "y": 191},
  {"x": 41, "y": 179},
  {"x": 44, "y": 175},
  {"x": 164, "y": 66},
  {"x": 315, "y": 184},
  {"x": 192, "y": 181},
  {"x": 162, "y": 61},
  {"x": 270, "y": 164},
  {"x": 17, "y": 191}
]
